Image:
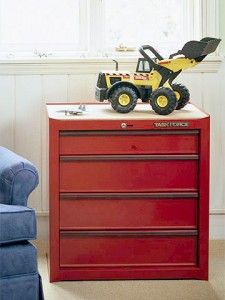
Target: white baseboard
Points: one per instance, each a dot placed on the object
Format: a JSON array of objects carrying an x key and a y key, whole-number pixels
[
  {"x": 42, "y": 227},
  {"x": 216, "y": 227}
]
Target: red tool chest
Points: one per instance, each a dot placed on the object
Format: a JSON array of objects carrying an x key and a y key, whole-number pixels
[{"x": 128, "y": 194}]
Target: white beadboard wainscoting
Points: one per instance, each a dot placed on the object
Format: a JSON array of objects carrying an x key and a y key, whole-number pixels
[{"x": 26, "y": 86}]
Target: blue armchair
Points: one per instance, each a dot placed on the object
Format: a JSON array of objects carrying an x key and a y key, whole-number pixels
[{"x": 19, "y": 277}]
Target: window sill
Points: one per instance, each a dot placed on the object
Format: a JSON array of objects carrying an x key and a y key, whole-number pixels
[{"x": 90, "y": 65}]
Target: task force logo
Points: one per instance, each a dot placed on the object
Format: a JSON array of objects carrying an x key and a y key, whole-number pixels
[{"x": 171, "y": 124}]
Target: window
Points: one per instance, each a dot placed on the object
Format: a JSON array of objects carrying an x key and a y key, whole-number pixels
[
  {"x": 98, "y": 27},
  {"x": 135, "y": 23},
  {"x": 143, "y": 66},
  {"x": 164, "y": 24},
  {"x": 43, "y": 25}
]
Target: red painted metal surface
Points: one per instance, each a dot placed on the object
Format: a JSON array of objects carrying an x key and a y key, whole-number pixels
[
  {"x": 157, "y": 272},
  {"x": 140, "y": 142},
  {"x": 79, "y": 225},
  {"x": 128, "y": 213},
  {"x": 54, "y": 201},
  {"x": 128, "y": 175},
  {"x": 127, "y": 251}
]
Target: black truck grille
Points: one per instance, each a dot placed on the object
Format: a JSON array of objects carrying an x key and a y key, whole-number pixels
[{"x": 101, "y": 83}]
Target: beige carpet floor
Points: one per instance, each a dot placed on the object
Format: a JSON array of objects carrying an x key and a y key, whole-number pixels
[{"x": 214, "y": 289}]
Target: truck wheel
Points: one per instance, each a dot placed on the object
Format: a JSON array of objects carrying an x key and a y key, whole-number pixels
[
  {"x": 182, "y": 94},
  {"x": 163, "y": 101},
  {"x": 123, "y": 99}
]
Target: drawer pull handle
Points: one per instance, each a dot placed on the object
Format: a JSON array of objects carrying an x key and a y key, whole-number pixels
[
  {"x": 74, "y": 233},
  {"x": 128, "y": 195},
  {"x": 129, "y": 133},
  {"x": 128, "y": 157}
]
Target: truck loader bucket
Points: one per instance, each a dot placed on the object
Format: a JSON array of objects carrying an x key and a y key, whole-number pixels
[{"x": 198, "y": 50}]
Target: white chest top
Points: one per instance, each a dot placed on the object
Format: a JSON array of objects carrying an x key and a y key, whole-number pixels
[{"x": 105, "y": 112}]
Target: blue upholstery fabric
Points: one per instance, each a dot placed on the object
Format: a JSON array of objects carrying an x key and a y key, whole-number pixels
[
  {"x": 17, "y": 259},
  {"x": 26, "y": 287},
  {"x": 19, "y": 278},
  {"x": 17, "y": 223},
  {"x": 18, "y": 178}
]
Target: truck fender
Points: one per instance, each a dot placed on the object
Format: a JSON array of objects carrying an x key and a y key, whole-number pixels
[{"x": 119, "y": 84}]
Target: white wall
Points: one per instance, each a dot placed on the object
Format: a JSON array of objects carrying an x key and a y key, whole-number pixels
[{"x": 26, "y": 87}]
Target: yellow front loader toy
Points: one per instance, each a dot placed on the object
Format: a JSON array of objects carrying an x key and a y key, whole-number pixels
[{"x": 153, "y": 80}]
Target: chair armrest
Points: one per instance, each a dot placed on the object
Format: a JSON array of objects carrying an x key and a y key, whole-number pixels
[{"x": 18, "y": 178}]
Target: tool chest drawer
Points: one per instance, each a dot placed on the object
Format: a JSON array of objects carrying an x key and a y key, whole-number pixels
[
  {"x": 125, "y": 173},
  {"x": 128, "y": 202},
  {"x": 135, "y": 142},
  {"x": 117, "y": 248},
  {"x": 127, "y": 212}
]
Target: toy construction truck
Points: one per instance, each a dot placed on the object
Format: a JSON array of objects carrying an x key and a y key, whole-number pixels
[{"x": 153, "y": 80}]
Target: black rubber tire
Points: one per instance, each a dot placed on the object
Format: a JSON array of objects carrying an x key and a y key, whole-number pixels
[
  {"x": 172, "y": 101},
  {"x": 114, "y": 99},
  {"x": 184, "y": 94}
]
